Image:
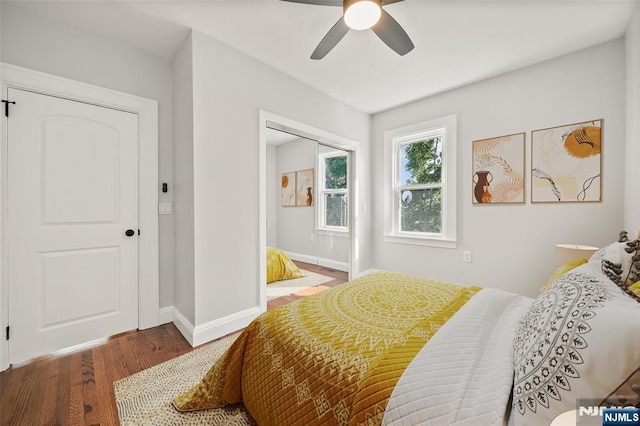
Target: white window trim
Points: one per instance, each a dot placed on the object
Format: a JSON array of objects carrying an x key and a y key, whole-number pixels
[
  {"x": 321, "y": 227},
  {"x": 333, "y": 233},
  {"x": 392, "y": 234}
]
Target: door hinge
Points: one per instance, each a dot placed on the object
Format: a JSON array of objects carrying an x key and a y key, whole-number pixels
[
  {"x": 7, "y": 335},
  {"x": 138, "y": 232},
  {"x": 6, "y": 106}
]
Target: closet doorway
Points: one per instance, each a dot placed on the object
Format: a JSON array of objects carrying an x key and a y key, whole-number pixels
[{"x": 307, "y": 198}]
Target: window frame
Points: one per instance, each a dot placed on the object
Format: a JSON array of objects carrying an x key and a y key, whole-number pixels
[
  {"x": 445, "y": 127},
  {"x": 322, "y": 191}
]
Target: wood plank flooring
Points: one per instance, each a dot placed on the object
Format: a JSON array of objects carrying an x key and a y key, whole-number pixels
[
  {"x": 77, "y": 389},
  {"x": 339, "y": 277}
]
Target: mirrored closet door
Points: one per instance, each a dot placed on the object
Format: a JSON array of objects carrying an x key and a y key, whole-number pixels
[{"x": 307, "y": 212}]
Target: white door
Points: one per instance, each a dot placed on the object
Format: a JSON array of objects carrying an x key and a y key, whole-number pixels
[{"x": 72, "y": 197}]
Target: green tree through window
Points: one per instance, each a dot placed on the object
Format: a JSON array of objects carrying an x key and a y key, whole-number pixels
[
  {"x": 421, "y": 186},
  {"x": 335, "y": 191},
  {"x": 420, "y": 191},
  {"x": 336, "y": 172}
]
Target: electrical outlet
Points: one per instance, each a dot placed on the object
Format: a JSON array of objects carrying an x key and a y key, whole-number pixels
[{"x": 466, "y": 256}]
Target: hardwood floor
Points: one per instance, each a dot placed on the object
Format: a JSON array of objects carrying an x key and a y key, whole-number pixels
[
  {"x": 339, "y": 277},
  {"x": 77, "y": 389}
]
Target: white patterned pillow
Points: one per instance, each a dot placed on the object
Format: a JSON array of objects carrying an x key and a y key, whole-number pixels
[
  {"x": 620, "y": 261},
  {"x": 578, "y": 340}
]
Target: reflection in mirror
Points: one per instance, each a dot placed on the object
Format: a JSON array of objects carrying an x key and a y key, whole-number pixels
[
  {"x": 306, "y": 210},
  {"x": 332, "y": 221},
  {"x": 290, "y": 218}
]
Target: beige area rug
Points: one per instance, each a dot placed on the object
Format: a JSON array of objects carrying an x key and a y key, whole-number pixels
[
  {"x": 296, "y": 285},
  {"x": 145, "y": 397}
]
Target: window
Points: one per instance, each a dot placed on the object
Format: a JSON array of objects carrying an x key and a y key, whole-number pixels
[
  {"x": 420, "y": 175},
  {"x": 333, "y": 207},
  {"x": 420, "y": 184}
]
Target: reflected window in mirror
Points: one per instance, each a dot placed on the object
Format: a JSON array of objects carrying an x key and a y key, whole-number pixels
[{"x": 333, "y": 191}]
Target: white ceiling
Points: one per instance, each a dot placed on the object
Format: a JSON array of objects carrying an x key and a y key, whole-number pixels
[{"x": 457, "y": 42}]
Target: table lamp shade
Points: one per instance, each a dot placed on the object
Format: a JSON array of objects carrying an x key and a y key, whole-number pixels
[{"x": 566, "y": 253}]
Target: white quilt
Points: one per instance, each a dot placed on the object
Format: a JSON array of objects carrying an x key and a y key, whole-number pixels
[{"x": 464, "y": 374}]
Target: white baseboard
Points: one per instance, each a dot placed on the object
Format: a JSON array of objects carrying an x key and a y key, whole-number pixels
[
  {"x": 166, "y": 315},
  {"x": 367, "y": 272},
  {"x": 221, "y": 327},
  {"x": 327, "y": 263},
  {"x": 215, "y": 329},
  {"x": 183, "y": 325}
]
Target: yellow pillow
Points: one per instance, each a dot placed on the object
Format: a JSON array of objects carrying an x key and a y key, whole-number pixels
[
  {"x": 635, "y": 288},
  {"x": 280, "y": 267},
  {"x": 561, "y": 271}
]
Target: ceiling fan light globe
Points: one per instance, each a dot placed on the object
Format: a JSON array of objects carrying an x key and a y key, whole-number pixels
[{"x": 362, "y": 15}]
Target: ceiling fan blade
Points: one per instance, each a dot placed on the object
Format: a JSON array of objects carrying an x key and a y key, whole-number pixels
[
  {"x": 321, "y": 2},
  {"x": 392, "y": 34},
  {"x": 386, "y": 2},
  {"x": 329, "y": 41}
]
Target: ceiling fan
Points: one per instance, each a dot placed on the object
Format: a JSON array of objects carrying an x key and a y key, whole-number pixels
[{"x": 362, "y": 15}]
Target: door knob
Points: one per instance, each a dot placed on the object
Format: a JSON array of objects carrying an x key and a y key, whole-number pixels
[{"x": 129, "y": 233}]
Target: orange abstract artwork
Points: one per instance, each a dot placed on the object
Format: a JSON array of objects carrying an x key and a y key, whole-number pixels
[
  {"x": 566, "y": 163},
  {"x": 288, "y": 196}
]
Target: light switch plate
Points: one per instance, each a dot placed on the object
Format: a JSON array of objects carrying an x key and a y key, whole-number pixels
[{"x": 165, "y": 208}]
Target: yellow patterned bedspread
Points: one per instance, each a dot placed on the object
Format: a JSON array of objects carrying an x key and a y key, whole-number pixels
[{"x": 330, "y": 359}]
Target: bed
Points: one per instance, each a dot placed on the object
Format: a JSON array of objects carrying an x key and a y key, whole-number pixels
[
  {"x": 393, "y": 349},
  {"x": 280, "y": 266}
]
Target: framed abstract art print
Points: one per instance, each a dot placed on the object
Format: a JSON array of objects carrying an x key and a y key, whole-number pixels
[{"x": 566, "y": 163}]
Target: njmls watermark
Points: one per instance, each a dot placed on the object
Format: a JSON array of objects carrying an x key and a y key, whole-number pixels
[{"x": 592, "y": 412}]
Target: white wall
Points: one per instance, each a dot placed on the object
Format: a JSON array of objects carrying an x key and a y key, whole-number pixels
[
  {"x": 632, "y": 150},
  {"x": 273, "y": 195},
  {"x": 184, "y": 292},
  {"x": 297, "y": 224},
  {"x": 43, "y": 45},
  {"x": 513, "y": 246},
  {"x": 229, "y": 90}
]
